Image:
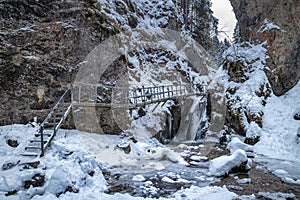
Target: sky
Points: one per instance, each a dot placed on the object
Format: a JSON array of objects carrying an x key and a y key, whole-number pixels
[{"x": 224, "y": 12}]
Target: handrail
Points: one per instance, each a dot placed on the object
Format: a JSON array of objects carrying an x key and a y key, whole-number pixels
[
  {"x": 56, "y": 125},
  {"x": 55, "y": 107}
]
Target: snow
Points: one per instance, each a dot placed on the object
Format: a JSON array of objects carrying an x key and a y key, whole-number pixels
[
  {"x": 31, "y": 58},
  {"x": 253, "y": 131},
  {"x": 236, "y": 143},
  {"x": 267, "y": 26},
  {"x": 277, "y": 196},
  {"x": 243, "y": 180},
  {"x": 279, "y": 139},
  {"x": 198, "y": 158},
  {"x": 278, "y": 146},
  {"x": 222, "y": 165},
  {"x": 68, "y": 164},
  {"x": 206, "y": 193},
  {"x": 139, "y": 178}
]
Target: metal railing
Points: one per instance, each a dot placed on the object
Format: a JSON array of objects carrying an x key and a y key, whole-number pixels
[
  {"x": 52, "y": 116},
  {"x": 87, "y": 94}
]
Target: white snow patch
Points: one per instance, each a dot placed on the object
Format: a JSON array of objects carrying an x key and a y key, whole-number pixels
[
  {"x": 205, "y": 193},
  {"x": 268, "y": 25},
  {"x": 277, "y": 196},
  {"x": 198, "y": 158},
  {"x": 253, "y": 130}
]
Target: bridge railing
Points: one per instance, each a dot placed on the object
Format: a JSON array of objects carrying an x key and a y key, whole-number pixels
[{"x": 131, "y": 97}]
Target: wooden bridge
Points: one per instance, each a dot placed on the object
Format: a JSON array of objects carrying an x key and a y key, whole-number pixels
[{"x": 82, "y": 95}]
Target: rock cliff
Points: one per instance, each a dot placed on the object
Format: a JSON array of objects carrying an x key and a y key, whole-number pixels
[
  {"x": 278, "y": 23},
  {"x": 43, "y": 43}
]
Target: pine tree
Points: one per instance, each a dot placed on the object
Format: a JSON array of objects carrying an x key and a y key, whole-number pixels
[
  {"x": 236, "y": 34},
  {"x": 199, "y": 21}
]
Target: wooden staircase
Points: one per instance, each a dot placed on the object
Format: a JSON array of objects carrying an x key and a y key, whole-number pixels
[{"x": 38, "y": 144}]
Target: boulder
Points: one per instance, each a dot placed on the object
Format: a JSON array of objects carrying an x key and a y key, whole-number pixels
[{"x": 221, "y": 166}]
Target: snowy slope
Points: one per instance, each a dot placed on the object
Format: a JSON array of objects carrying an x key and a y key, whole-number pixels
[
  {"x": 278, "y": 146},
  {"x": 279, "y": 139}
]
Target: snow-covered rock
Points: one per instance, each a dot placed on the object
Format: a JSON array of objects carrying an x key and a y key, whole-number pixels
[
  {"x": 138, "y": 178},
  {"x": 253, "y": 131},
  {"x": 222, "y": 165},
  {"x": 236, "y": 143}
]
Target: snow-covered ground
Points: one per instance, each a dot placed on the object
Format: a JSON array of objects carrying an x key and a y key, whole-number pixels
[
  {"x": 279, "y": 141},
  {"x": 72, "y": 167}
]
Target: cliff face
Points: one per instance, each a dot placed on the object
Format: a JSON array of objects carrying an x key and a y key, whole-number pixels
[
  {"x": 43, "y": 44},
  {"x": 278, "y": 23}
]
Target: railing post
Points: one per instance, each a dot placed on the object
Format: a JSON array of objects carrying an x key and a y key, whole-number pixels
[
  {"x": 112, "y": 97},
  {"x": 42, "y": 140},
  {"x": 63, "y": 107},
  {"x": 72, "y": 95},
  {"x": 54, "y": 122},
  {"x": 96, "y": 93}
]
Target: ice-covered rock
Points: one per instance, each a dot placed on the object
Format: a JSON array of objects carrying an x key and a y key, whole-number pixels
[{"x": 222, "y": 165}]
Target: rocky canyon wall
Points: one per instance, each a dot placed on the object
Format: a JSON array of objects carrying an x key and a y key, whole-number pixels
[
  {"x": 42, "y": 45},
  {"x": 278, "y": 23}
]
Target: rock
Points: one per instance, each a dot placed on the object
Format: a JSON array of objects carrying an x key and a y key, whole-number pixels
[
  {"x": 236, "y": 144},
  {"x": 37, "y": 180},
  {"x": 139, "y": 178},
  {"x": 12, "y": 143},
  {"x": 253, "y": 133},
  {"x": 9, "y": 164},
  {"x": 125, "y": 146},
  {"x": 243, "y": 167},
  {"x": 30, "y": 165},
  {"x": 223, "y": 165},
  {"x": 9, "y": 193},
  {"x": 282, "y": 40},
  {"x": 297, "y": 116}
]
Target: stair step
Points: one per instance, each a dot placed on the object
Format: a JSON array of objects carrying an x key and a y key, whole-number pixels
[
  {"x": 30, "y": 154},
  {"x": 36, "y": 140},
  {"x": 45, "y": 135},
  {"x": 32, "y": 147}
]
